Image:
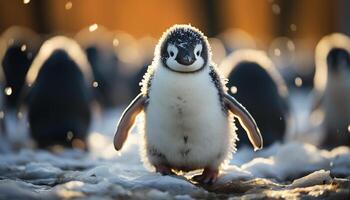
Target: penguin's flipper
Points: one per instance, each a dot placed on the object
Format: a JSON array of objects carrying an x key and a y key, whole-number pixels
[
  {"x": 246, "y": 121},
  {"x": 127, "y": 120}
]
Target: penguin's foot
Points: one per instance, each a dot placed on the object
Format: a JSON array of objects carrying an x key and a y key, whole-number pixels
[
  {"x": 209, "y": 176},
  {"x": 164, "y": 170}
]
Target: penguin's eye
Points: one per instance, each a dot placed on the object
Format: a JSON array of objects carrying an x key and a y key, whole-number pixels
[
  {"x": 198, "y": 49},
  {"x": 172, "y": 50}
]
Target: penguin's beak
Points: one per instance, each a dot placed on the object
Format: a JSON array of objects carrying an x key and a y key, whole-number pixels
[{"x": 185, "y": 57}]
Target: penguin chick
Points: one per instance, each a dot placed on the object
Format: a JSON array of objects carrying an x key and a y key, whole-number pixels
[
  {"x": 59, "y": 94},
  {"x": 188, "y": 121},
  {"x": 256, "y": 83},
  {"x": 18, "y": 50},
  {"x": 332, "y": 88},
  {"x": 18, "y": 47}
]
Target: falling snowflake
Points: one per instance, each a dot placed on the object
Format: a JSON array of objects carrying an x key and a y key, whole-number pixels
[
  {"x": 8, "y": 91},
  {"x": 93, "y": 27},
  {"x": 298, "y": 81}
]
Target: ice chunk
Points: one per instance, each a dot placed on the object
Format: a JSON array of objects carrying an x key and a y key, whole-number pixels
[
  {"x": 285, "y": 162},
  {"x": 232, "y": 172},
  {"x": 315, "y": 178}
]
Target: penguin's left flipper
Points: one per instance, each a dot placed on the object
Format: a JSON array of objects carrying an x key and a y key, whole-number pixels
[
  {"x": 127, "y": 120},
  {"x": 246, "y": 121}
]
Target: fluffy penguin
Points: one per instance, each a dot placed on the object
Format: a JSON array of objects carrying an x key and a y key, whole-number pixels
[
  {"x": 18, "y": 50},
  {"x": 59, "y": 94},
  {"x": 110, "y": 87},
  {"x": 255, "y": 82},
  {"x": 188, "y": 115},
  {"x": 332, "y": 88}
]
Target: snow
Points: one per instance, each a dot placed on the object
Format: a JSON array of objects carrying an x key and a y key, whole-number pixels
[
  {"x": 283, "y": 164},
  {"x": 316, "y": 178},
  {"x": 20, "y": 190},
  {"x": 105, "y": 173}
]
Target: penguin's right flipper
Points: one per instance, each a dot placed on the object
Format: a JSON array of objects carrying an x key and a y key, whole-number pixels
[
  {"x": 127, "y": 120},
  {"x": 246, "y": 120}
]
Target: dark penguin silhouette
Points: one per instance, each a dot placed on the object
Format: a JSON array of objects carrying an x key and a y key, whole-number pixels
[
  {"x": 59, "y": 95},
  {"x": 253, "y": 81},
  {"x": 19, "y": 46},
  {"x": 332, "y": 88},
  {"x": 15, "y": 66},
  {"x": 99, "y": 48}
]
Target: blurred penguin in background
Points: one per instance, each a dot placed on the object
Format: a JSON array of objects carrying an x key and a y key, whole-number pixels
[
  {"x": 332, "y": 89},
  {"x": 255, "y": 82},
  {"x": 59, "y": 95},
  {"x": 134, "y": 58},
  {"x": 218, "y": 49},
  {"x": 18, "y": 48},
  {"x": 109, "y": 85},
  {"x": 2, "y": 82},
  {"x": 235, "y": 39},
  {"x": 146, "y": 46}
]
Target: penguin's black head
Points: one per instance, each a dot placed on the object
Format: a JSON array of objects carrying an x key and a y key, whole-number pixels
[
  {"x": 338, "y": 58},
  {"x": 184, "y": 49}
]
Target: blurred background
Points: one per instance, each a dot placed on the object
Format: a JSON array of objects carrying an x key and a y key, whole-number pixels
[
  {"x": 264, "y": 20},
  {"x": 254, "y": 23}
]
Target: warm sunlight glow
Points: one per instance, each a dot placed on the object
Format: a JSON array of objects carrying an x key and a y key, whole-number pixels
[{"x": 115, "y": 42}]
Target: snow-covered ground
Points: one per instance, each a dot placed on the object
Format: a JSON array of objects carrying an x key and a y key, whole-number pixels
[{"x": 107, "y": 174}]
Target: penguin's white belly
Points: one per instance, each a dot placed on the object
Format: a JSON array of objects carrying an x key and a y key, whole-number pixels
[{"x": 184, "y": 121}]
